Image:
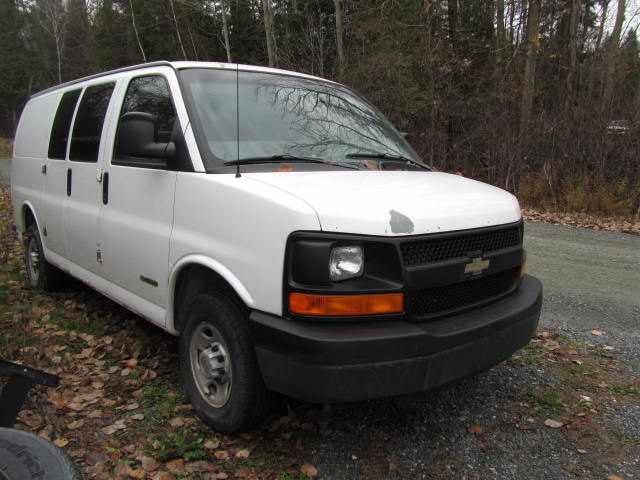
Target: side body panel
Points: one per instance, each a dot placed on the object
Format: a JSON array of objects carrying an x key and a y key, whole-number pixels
[
  {"x": 29, "y": 155},
  {"x": 239, "y": 228}
]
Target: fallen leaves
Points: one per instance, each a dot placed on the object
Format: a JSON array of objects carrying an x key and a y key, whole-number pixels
[
  {"x": 553, "y": 423},
  {"x": 75, "y": 424},
  {"x": 583, "y": 220},
  {"x": 221, "y": 454},
  {"x": 176, "y": 422},
  {"x": 242, "y": 454},
  {"x": 176, "y": 466},
  {"x": 111, "y": 429},
  {"x": 309, "y": 470},
  {"x": 61, "y": 442},
  {"x": 212, "y": 444},
  {"x": 475, "y": 429}
]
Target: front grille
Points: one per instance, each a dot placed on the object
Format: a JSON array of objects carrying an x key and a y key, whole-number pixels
[
  {"x": 423, "y": 251},
  {"x": 441, "y": 300}
]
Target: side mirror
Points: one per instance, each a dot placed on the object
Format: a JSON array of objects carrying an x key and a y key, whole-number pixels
[{"x": 137, "y": 137}]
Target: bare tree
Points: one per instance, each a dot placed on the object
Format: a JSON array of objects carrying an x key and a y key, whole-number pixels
[
  {"x": 175, "y": 22},
  {"x": 452, "y": 11},
  {"x": 528, "y": 83},
  {"x": 225, "y": 29},
  {"x": 339, "y": 38},
  {"x": 573, "y": 55},
  {"x": 268, "y": 30},
  {"x": 500, "y": 36},
  {"x": 135, "y": 31},
  {"x": 52, "y": 19},
  {"x": 612, "y": 57}
]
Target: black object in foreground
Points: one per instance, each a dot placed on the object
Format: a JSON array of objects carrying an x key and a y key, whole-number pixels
[
  {"x": 25, "y": 456},
  {"x": 14, "y": 392}
]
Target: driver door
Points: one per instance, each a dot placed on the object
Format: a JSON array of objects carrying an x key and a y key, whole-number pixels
[{"x": 137, "y": 199}]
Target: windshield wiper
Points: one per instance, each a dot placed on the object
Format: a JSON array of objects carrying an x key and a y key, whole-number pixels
[
  {"x": 387, "y": 156},
  {"x": 284, "y": 158}
]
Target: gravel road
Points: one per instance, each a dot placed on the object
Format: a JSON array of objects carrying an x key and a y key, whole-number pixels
[{"x": 591, "y": 281}]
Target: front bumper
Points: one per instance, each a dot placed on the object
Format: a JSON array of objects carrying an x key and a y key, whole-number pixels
[{"x": 343, "y": 362}]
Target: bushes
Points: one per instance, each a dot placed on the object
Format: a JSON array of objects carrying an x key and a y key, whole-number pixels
[
  {"x": 582, "y": 194},
  {"x": 6, "y": 147}
]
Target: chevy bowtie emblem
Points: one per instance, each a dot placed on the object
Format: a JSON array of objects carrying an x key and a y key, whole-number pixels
[{"x": 477, "y": 266}]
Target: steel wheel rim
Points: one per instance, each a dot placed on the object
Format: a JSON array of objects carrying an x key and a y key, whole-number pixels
[
  {"x": 210, "y": 364},
  {"x": 33, "y": 260}
]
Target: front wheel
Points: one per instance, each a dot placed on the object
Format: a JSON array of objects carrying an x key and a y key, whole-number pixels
[{"x": 219, "y": 370}]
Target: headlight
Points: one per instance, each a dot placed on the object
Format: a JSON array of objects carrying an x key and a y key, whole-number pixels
[{"x": 345, "y": 263}]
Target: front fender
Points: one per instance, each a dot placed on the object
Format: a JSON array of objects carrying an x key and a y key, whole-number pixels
[{"x": 211, "y": 264}]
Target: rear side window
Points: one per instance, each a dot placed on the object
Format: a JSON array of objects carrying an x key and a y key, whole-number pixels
[
  {"x": 61, "y": 125},
  {"x": 87, "y": 128}
]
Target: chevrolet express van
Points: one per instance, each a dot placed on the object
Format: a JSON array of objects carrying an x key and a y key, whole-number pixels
[{"x": 279, "y": 225}]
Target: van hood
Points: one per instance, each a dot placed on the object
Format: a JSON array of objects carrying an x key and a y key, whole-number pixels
[{"x": 393, "y": 203}]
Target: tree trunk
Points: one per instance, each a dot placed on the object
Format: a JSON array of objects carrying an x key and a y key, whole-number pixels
[
  {"x": 268, "y": 30},
  {"x": 225, "y": 30},
  {"x": 572, "y": 54},
  {"x": 135, "y": 31},
  {"x": 59, "y": 57},
  {"x": 611, "y": 58},
  {"x": 528, "y": 83},
  {"x": 452, "y": 9},
  {"x": 597, "y": 54},
  {"x": 603, "y": 19},
  {"x": 512, "y": 14},
  {"x": 339, "y": 38},
  {"x": 500, "y": 37},
  {"x": 175, "y": 22}
]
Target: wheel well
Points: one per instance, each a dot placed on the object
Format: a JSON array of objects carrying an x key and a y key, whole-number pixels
[
  {"x": 195, "y": 279},
  {"x": 28, "y": 217}
]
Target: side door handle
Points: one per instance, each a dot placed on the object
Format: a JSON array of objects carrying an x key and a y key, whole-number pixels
[
  {"x": 105, "y": 188},
  {"x": 44, "y": 169},
  {"x": 69, "y": 173}
]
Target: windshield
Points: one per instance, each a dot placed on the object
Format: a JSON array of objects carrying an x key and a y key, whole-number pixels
[{"x": 282, "y": 115}]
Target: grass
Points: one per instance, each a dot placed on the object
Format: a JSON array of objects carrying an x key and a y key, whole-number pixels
[
  {"x": 159, "y": 401},
  {"x": 624, "y": 391},
  {"x": 532, "y": 354},
  {"x": 545, "y": 402},
  {"x": 5, "y": 147},
  {"x": 84, "y": 323},
  {"x": 180, "y": 444},
  {"x": 289, "y": 476},
  {"x": 4, "y": 294}
]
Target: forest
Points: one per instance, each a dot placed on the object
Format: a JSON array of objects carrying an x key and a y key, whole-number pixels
[{"x": 541, "y": 97}]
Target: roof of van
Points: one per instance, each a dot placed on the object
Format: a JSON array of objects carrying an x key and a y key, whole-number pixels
[{"x": 178, "y": 65}]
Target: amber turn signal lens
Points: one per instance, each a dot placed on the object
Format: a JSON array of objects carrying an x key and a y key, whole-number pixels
[{"x": 345, "y": 305}]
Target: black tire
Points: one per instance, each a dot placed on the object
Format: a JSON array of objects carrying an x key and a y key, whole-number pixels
[
  {"x": 247, "y": 401},
  {"x": 44, "y": 276},
  {"x": 25, "y": 456}
]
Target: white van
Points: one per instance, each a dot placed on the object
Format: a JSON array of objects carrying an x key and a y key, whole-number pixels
[{"x": 277, "y": 223}]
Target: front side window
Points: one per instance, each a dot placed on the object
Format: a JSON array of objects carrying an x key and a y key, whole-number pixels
[
  {"x": 61, "y": 125},
  {"x": 87, "y": 127},
  {"x": 147, "y": 112},
  {"x": 258, "y": 115}
]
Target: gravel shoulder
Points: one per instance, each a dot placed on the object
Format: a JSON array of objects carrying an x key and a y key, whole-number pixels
[{"x": 591, "y": 281}]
